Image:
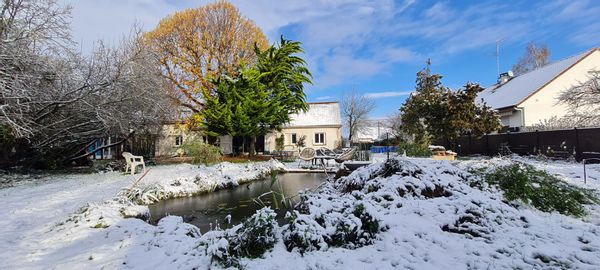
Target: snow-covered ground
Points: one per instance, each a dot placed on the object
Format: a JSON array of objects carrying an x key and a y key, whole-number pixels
[
  {"x": 33, "y": 212},
  {"x": 44, "y": 226}
]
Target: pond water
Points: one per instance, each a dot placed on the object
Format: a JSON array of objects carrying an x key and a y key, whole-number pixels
[{"x": 207, "y": 210}]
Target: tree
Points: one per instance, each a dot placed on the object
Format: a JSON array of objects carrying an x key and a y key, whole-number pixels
[
  {"x": 196, "y": 46},
  {"x": 261, "y": 97},
  {"x": 436, "y": 112},
  {"x": 582, "y": 101},
  {"x": 535, "y": 57},
  {"x": 355, "y": 112},
  {"x": 423, "y": 105},
  {"x": 59, "y": 100}
]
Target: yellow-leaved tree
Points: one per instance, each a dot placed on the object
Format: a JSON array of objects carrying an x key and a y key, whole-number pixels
[{"x": 197, "y": 45}]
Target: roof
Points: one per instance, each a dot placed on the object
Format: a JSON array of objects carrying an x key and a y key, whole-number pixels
[
  {"x": 518, "y": 89},
  {"x": 318, "y": 114}
]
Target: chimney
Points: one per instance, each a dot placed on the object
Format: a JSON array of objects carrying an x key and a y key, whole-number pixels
[{"x": 505, "y": 77}]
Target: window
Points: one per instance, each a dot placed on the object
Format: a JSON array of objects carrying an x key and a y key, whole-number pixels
[
  {"x": 293, "y": 138},
  {"x": 320, "y": 138},
  {"x": 178, "y": 140}
]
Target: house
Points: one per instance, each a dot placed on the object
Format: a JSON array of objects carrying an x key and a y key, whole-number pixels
[
  {"x": 374, "y": 130},
  {"x": 531, "y": 98},
  {"x": 321, "y": 126}
]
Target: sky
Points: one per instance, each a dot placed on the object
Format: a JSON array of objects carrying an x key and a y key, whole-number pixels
[{"x": 376, "y": 47}]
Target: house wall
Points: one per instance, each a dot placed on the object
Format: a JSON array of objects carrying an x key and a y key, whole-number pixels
[
  {"x": 513, "y": 118},
  {"x": 542, "y": 105},
  {"x": 165, "y": 146},
  {"x": 333, "y": 137}
]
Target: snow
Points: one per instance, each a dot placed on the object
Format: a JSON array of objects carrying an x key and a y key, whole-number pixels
[
  {"x": 318, "y": 114},
  {"x": 36, "y": 214},
  {"x": 460, "y": 228},
  {"x": 517, "y": 89}
]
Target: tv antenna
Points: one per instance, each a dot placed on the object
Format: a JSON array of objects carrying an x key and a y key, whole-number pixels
[{"x": 498, "y": 42}]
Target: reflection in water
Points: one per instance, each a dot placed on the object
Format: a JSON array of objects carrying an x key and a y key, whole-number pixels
[{"x": 207, "y": 210}]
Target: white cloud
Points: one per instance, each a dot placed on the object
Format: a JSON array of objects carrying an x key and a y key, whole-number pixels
[
  {"x": 324, "y": 98},
  {"x": 349, "y": 40},
  {"x": 376, "y": 95}
]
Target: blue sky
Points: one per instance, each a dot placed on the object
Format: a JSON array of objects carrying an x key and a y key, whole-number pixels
[{"x": 376, "y": 47}]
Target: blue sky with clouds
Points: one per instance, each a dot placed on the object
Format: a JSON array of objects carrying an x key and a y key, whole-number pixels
[{"x": 376, "y": 47}]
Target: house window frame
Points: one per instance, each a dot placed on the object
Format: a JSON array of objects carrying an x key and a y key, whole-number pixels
[
  {"x": 178, "y": 140},
  {"x": 293, "y": 138},
  {"x": 319, "y": 140}
]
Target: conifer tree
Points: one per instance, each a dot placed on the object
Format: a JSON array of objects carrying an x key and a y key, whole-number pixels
[
  {"x": 261, "y": 97},
  {"x": 436, "y": 112}
]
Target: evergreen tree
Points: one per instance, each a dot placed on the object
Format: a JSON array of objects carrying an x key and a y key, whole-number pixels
[
  {"x": 436, "y": 112},
  {"x": 261, "y": 97}
]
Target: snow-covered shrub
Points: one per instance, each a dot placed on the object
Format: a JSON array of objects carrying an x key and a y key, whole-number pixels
[
  {"x": 540, "y": 189},
  {"x": 250, "y": 239},
  {"x": 370, "y": 225},
  {"x": 331, "y": 220},
  {"x": 256, "y": 235},
  {"x": 303, "y": 234},
  {"x": 144, "y": 194}
]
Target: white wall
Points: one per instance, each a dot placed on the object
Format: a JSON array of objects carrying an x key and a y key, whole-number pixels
[
  {"x": 542, "y": 105},
  {"x": 333, "y": 137}
]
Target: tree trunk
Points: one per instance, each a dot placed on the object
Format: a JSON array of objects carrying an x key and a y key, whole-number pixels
[{"x": 252, "y": 145}]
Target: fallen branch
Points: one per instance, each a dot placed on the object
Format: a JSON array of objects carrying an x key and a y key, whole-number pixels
[{"x": 136, "y": 182}]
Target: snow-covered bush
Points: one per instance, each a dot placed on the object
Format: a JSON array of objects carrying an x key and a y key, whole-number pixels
[
  {"x": 250, "y": 239},
  {"x": 303, "y": 234},
  {"x": 324, "y": 220},
  {"x": 257, "y": 234},
  {"x": 540, "y": 189}
]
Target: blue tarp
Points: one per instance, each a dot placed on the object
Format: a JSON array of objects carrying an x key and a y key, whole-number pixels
[{"x": 383, "y": 149}]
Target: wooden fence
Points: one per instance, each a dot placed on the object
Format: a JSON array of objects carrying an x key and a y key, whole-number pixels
[{"x": 577, "y": 143}]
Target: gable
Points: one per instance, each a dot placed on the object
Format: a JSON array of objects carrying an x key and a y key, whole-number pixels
[
  {"x": 318, "y": 114},
  {"x": 516, "y": 90}
]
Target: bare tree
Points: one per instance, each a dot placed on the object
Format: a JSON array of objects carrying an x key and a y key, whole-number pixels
[
  {"x": 355, "y": 112},
  {"x": 535, "y": 57},
  {"x": 60, "y": 100},
  {"x": 582, "y": 100}
]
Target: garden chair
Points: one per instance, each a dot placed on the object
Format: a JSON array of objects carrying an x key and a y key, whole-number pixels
[
  {"x": 307, "y": 155},
  {"x": 328, "y": 152},
  {"x": 132, "y": 162},
  {"x": 346, "y": 155}
]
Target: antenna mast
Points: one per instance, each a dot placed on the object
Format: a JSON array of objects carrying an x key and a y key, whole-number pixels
[{"x": 498, "y": 55}]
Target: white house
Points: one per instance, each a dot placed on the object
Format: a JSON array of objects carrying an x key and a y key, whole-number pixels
[
  {"x": 530, "y": 98},
  {"x": 321, "y": 126},
  {"x": 374, "y": 130}
]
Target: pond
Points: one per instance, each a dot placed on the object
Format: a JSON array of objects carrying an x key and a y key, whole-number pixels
[{"x": 207, "y": 210}]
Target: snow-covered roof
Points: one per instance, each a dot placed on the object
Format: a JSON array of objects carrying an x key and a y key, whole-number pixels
[
  {"x": 517, "y": 89},
  {"x": 318, "y": 114},
  {"x": 374, "y": 130}
]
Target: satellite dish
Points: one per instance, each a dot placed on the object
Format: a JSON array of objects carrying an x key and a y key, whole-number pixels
[{"x": 510, "y": 73}]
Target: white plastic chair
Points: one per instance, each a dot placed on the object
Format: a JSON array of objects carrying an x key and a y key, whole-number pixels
[{"x": 133, "y": 162}]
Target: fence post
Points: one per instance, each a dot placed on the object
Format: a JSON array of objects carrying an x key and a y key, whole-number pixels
[
  {"x": 487, "y": 144},
  {"x": 537, "y": 142},
  {"x": 508, "y": 140},
  {"x": 577, "y": 148}
]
